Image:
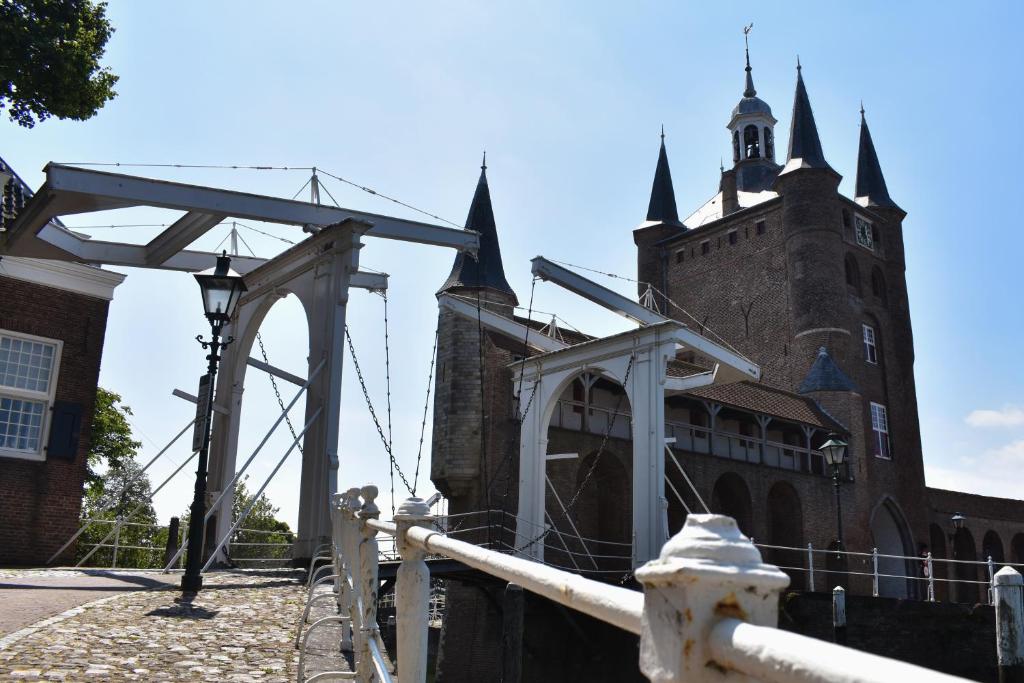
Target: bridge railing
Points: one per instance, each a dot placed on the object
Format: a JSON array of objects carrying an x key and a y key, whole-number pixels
[{"x": 708, "y": 610}]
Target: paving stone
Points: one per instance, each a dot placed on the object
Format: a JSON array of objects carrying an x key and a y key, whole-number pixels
[{"x": 241, "y": 627}]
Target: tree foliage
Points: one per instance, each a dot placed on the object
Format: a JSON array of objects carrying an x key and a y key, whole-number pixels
[
  {"x": 111, "y": 442},
  {"x": 260, "y": 526},
  {"x": 50, "y": 53}
]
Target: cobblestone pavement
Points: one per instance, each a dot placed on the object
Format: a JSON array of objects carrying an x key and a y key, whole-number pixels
[
  {"x": 30, "y": 596},
  {"x": 240, "y": 628}
]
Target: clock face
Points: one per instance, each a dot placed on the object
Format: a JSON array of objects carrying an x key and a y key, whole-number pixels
[{"x": 864, "y": 233}]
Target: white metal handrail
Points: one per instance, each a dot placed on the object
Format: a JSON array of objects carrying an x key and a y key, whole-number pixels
[{"x": 686, "y": 616}]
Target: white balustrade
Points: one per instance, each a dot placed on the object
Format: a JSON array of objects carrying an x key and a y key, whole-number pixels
[{"x": 708, "y": 610}]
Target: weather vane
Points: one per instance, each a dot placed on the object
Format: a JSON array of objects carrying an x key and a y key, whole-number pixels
[{"x": 746, "y": 33}]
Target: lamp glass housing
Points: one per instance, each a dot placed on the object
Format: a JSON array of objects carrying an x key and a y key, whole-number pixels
[
  {"x": 221, "y": 288},
  {"x": 958, "y": 521},
  {"x": 834, "y": 451}
]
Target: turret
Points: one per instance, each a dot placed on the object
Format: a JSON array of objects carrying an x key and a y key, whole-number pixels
[
  {"x": 469, "y": 427},
  {"x": 752, "y": 128}
]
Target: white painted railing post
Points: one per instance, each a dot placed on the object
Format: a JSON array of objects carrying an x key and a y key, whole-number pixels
[
  {"x": 368, "y": 631},
  {"x": 874, "y": 572},
  {"x": 839, "y": 615},
  {"x": 706, "y": 572},
  {"x": 931, "y": 578},
  {"x": 1008, "y": 590},
  {"x": 339, "y": 504},
  {"x": 412, "y": 593},
  {"x": 810, "y": 567},
  {"x": 350, "y": 560},
  {"x": 117, "y": 542}
]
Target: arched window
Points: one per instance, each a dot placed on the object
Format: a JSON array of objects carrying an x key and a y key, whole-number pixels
[
  {"x": 878, "y": 285},
  {"x": 735, "y": 146},
  {"x": 786, "y": 528},
  {"x": 732, "y": 497},
  {"x": 769, "y": 144},
  {"x": 751, "y": 143},
  {"x": 852, "y": 274}
]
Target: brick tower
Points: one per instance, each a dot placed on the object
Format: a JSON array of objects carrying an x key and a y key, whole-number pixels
[{"x": 475, "y": 436}]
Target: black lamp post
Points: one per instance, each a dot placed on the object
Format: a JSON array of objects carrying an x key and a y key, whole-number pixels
[
  {"x": 835, "y": 454},
  {"x": 221, "y": 288},
  {"x": 958, "y": 520}
]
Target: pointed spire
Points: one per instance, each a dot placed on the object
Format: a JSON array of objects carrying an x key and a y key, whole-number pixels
[
  {"x": 749, "y": 91},
  {"x": 871, "y": 189},
  {"x": 804, "y": 143},
  {"x": 663, "y": 197},
  {"x": 486, "y": 270}
]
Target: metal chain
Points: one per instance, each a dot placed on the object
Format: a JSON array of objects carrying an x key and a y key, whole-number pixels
[
  {"x": 387, "y": 381},
  {"x": 277, "y": 393},
  {"x": 593, "y": 466},
  {"x": 426, "y": 402},
  {"x": 373, "y": 414}
]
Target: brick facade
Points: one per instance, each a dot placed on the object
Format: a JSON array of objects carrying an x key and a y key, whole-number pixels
[{"x": 40, "y": 501}]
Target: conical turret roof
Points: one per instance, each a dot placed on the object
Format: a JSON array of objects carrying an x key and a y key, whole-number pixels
[
  {"x": 804, "y": 143},
  {"x": 871, "y": 189},
  {"x": 825, "y": 375},
  {"x": 486, "y": 270},
  {"x": 662, "y": 206}
]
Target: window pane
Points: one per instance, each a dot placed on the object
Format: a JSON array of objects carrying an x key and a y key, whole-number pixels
[
  {"x": 20, "y": 424},
  {"x": 25, "y": 364}
]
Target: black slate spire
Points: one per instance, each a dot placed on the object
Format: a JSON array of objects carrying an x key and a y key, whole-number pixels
[
  {"x": 870, "y": 181},
  {"x": 804, "y": 144},
  {"x": 749, "y": 91},
  {"x": 485, "y": 271},
  {"x": 663, "y": 197},
  {"x": 825, "y": 375}
]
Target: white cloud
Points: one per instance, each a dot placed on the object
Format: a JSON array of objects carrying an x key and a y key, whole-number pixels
[
  {"x": 1012, "y": 452},
  {"x": 1008, "y": 416}
]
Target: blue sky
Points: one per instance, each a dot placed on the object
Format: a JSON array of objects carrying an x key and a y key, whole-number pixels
[{"x": 567, "y": 99}]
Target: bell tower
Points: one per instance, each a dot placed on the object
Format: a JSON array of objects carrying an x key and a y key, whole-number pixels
[{"x": 752, "y": 128}]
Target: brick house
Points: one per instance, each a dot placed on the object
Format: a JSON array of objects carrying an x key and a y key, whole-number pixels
[
  {"x": 53, "y": 318},
  {"x": 802, "y": 280}
]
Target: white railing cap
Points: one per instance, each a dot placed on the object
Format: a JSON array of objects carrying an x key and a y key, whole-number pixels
[
  {"x": 1008, "y": 576},
  {"x": 412, "y": 508},
  {"x": 711, "y": 545}
]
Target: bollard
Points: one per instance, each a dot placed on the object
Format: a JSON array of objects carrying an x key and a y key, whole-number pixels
[
  {"x": 1008, "y": 590},
  {"x": 172, "y": 540},
  {"x": 706, "y": 572},
  {"x": 412, "y": 593},
  {"x": 368, "y": 585},
  {"x": 839, "y": 615}
]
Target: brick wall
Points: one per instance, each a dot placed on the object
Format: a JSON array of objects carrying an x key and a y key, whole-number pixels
[{"x": 40, "y": 501}]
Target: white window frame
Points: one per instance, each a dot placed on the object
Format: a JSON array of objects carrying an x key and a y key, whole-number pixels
[
  {"x": 46, "y": 398},
  {"x": 869, "y": 242},
  {"x": 879, "y": 430},
  {"x": 870, "y": 344}
]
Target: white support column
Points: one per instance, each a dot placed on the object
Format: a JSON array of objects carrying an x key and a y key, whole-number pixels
[
  {"x": 646, "y": 391},
  {"x": 368, "y": 554},
  {"x": 1008, "y": 590},
  {"x": 319, "y": 479},
  {"x": 533, "y": 448}
]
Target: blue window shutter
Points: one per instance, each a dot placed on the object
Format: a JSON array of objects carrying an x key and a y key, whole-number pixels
[{"x": 65, "y": 429}]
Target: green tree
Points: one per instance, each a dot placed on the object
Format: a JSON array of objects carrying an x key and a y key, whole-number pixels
[
  {"x": 260, "y": 526},
  {"x": 111, "y": 442},
  {"x": 117, "y": 489},
  {"x": 50, "y": 53}
]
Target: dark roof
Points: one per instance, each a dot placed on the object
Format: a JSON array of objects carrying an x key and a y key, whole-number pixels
[
  {"x": 486, "y": 270},
  {"x": 804, "y": 143},
  {"x": 870, "y": 181},
  {"x": 825, "y": 375},
  {"x": 764, "y": 399},
  {"x": 663, "y": 197},
  {"x": 751, "y": 103}
]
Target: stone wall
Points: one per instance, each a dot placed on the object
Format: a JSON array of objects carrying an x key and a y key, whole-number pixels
[{"x": 42, "y": 500}]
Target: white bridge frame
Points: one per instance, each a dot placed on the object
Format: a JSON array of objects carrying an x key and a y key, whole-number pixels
[
  {"x": 319, "y": 271},
  {"x": 546, "y": 375}
]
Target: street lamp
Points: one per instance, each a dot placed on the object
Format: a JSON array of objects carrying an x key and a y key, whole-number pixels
[
  {"x": 835, "y": 454},
  {"x": 221, "y": 288},
  {"x": 958, "y": 520}
]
